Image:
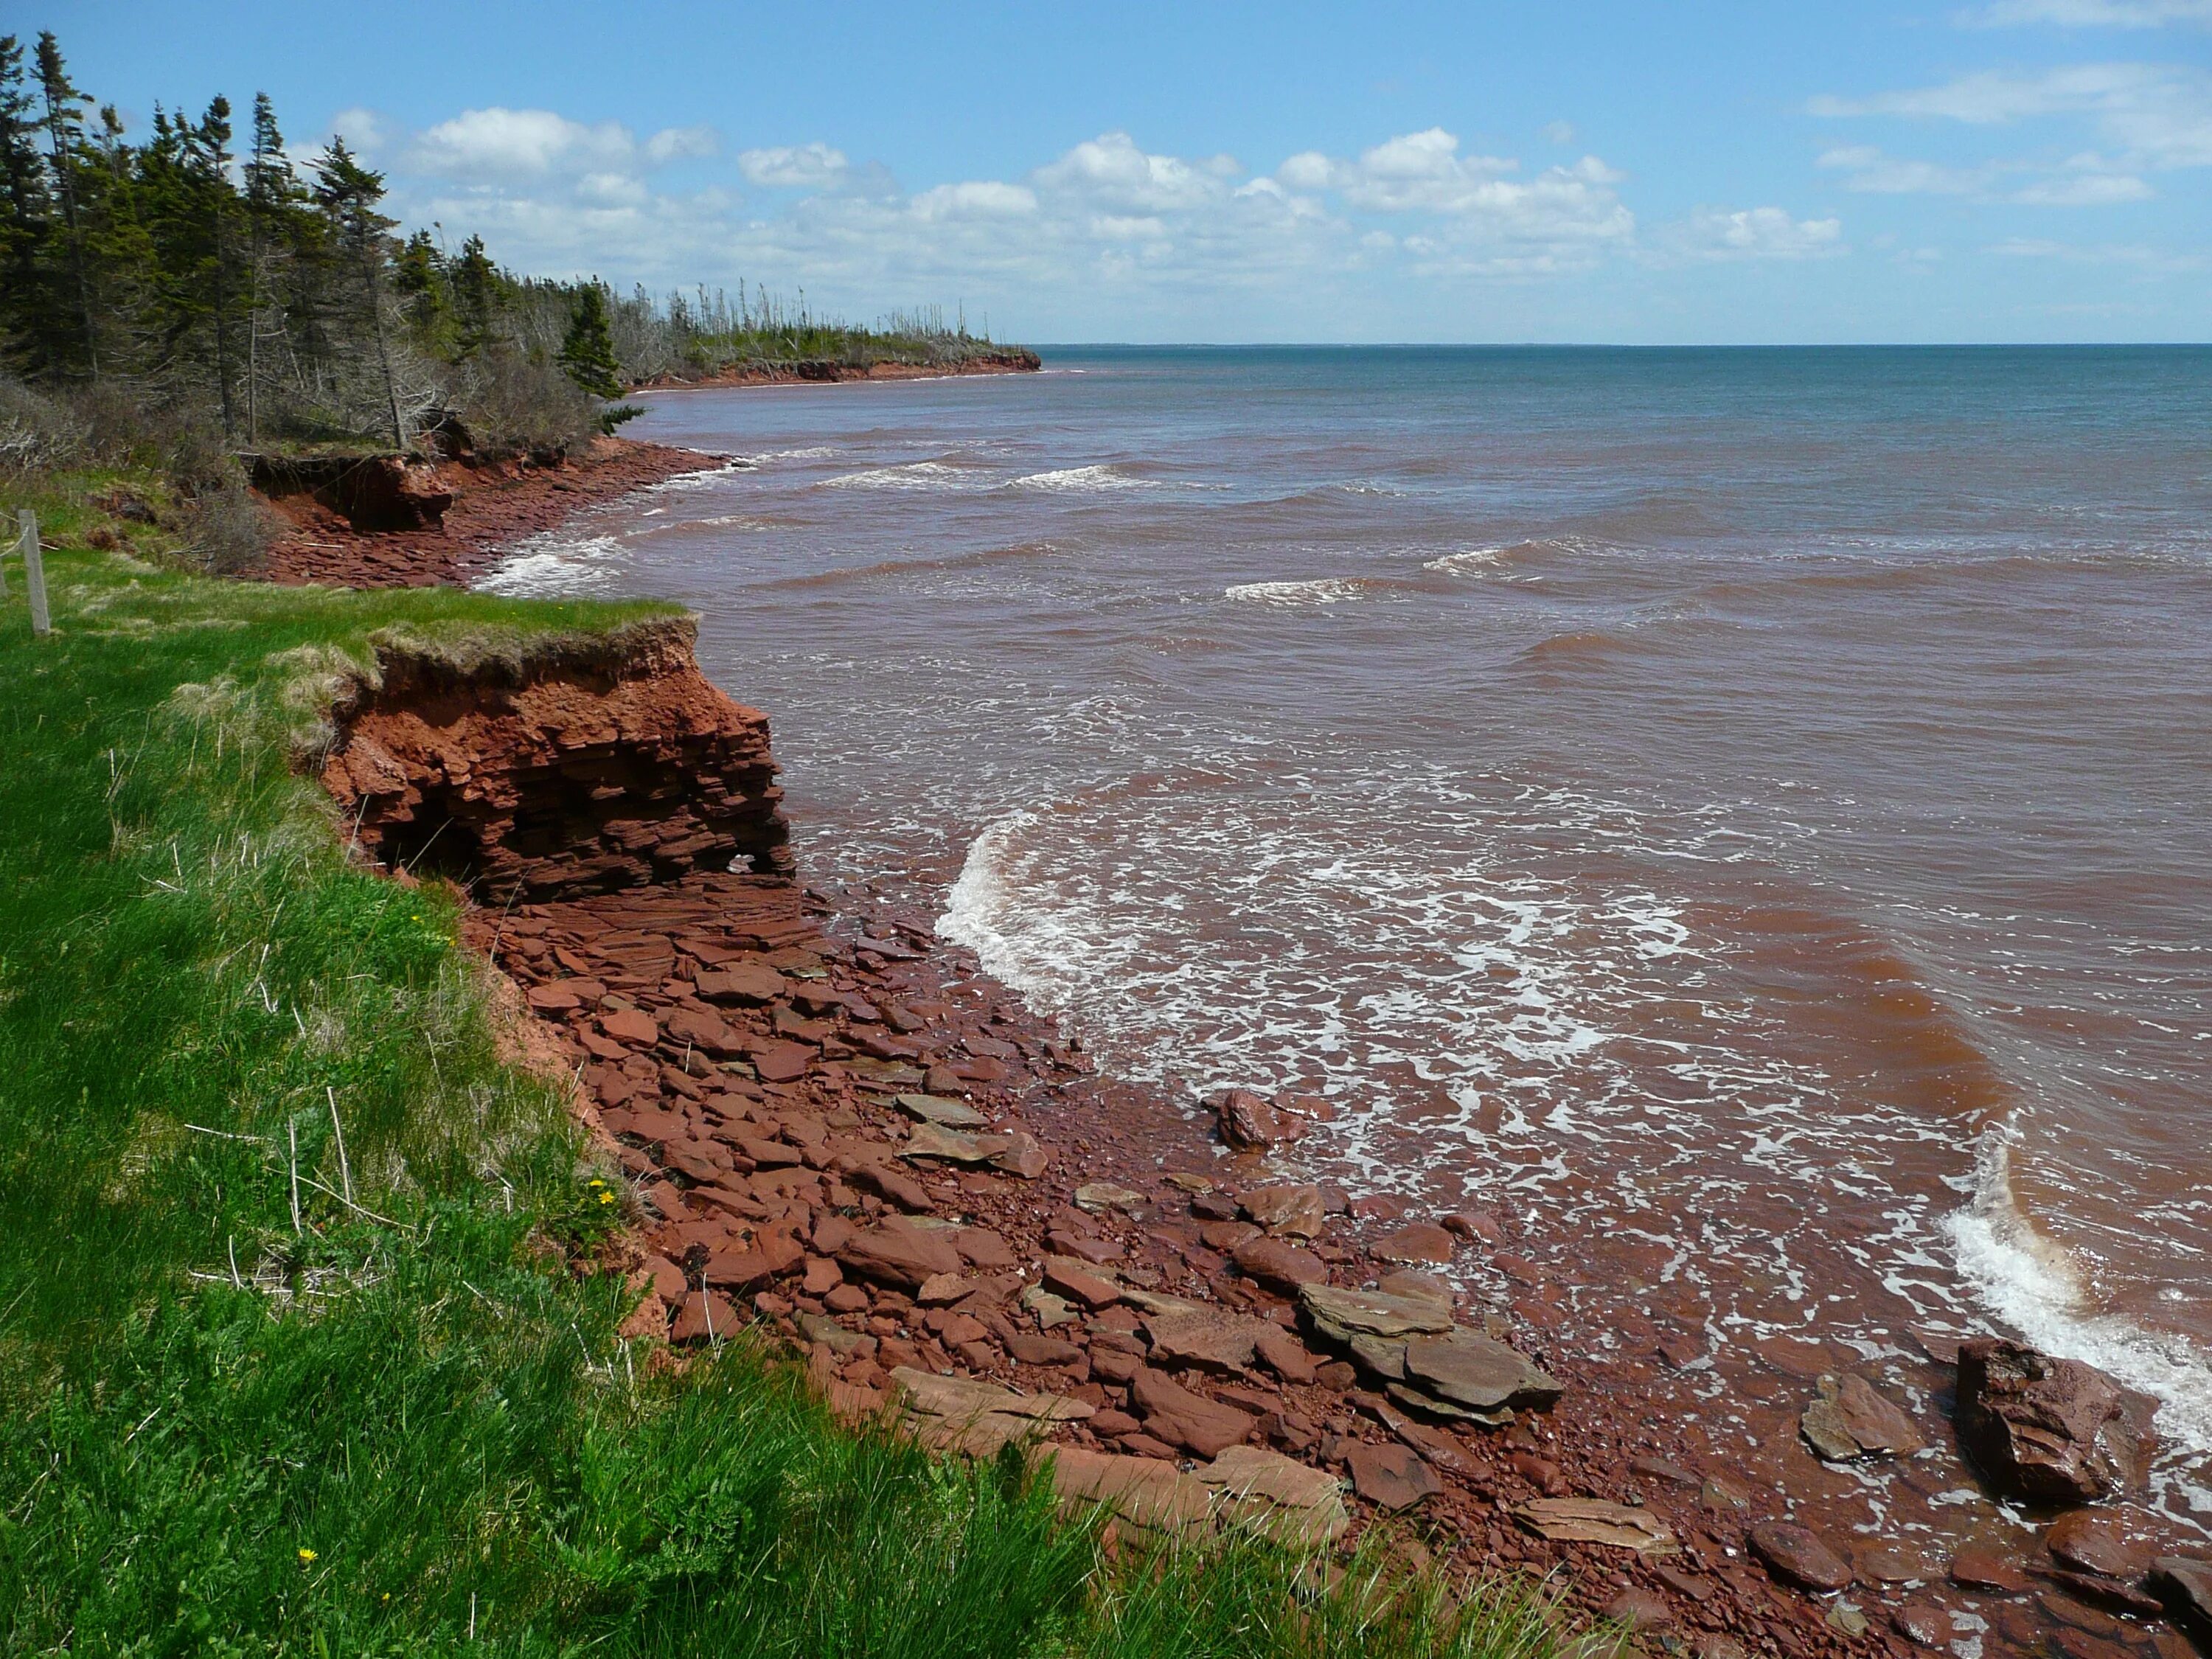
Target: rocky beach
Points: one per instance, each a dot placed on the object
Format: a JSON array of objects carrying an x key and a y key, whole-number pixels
[{"x": 831, "y": 1123}]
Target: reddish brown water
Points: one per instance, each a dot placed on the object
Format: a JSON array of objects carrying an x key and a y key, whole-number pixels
[{"x": 1750, "y": 807}]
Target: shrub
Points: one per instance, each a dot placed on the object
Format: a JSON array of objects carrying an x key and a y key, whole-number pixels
[
  {"x": 511, "y": 405},
  {"x": 226, "y": 526}
]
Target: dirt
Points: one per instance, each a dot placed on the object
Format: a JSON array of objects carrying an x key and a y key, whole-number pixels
[{"x": 493, "y": 504}]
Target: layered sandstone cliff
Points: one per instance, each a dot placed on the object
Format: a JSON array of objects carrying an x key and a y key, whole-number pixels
[{"x": 557, "y": 768}]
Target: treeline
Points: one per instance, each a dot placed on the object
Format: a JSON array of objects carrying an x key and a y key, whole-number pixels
[{"x": 205, "y": 278}]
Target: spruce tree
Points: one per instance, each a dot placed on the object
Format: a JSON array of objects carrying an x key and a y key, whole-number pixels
[
  {"x": 348, "y": 193},
  {"x": 589, "y": 353},
  {"x": 64, "y": 123},
  {"x": 25, "y": 220},
  {"x": 475, "y": 283}
]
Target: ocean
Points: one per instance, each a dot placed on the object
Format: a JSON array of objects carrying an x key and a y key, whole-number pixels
[{"x": 1750, "y": 810}]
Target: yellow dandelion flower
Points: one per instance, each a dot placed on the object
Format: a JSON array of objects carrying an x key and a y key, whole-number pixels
[{"x": 306, "y": 1555}]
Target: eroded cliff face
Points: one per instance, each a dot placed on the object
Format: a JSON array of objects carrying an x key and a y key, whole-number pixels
[{"x": 556, "y": 769}]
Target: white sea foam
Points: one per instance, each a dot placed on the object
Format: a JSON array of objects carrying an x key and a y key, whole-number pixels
[
  {"x": 1325, "y": 590},
  {"x": 706, "y": 479},
  {"x": 1470, "y": 561},
  {"x": 914, "y": 475},
  {"x": 553, "y": 563},
  {"x": 2030, "y": 1284},
  {"x": 1078, "y": 480}
]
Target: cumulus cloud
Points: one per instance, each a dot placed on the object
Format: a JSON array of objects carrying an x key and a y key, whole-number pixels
[
  {"x": 1114, "y": 172},
  {"x": 805, "y": 166},
  {"x": 499, "y": 144},
  {"x": 1487, "y": 220},
  {"x": 1760, "y": 233}
]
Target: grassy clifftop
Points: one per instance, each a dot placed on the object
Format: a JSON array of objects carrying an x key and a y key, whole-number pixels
[{"x": 304, "y": 1346}]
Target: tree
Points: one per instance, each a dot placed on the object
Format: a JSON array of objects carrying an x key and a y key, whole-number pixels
[
  {"x": 65, "y": 140},
  {"x": 475, "y": 283},
  {"x": 589, "y": 353},
  {"x": 272, "y": 192},
  {"x": 26, "y": 216},
  {"x": 348, "y": 193},
  {"x": 212, "y": 152}
]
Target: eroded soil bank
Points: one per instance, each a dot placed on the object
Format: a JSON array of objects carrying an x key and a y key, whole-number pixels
[
  {"x": 834, "y": 1122},
  {"x": 464, "y": 513}
]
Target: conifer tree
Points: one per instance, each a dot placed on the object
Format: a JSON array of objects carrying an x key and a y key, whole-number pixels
[
  {"x": 65, "y": 140},
  {"x": 475, "y": 283},
  {"x": 271, "y": 191},
  {"x": 589, "y": 352},
  {"x": 348, "y": 193},
  {"x": 26, "y": 216}
]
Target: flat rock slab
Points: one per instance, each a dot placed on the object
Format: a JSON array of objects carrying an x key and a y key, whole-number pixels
[
  {"x": 1423, "y": 1242},
  {"x": 906, "y": 1258},
  {"x": 1267, "y": 1493},
  {"x": 1181, "y": 1418},
  {"x": 2186, "y": 1587},
  {"x": 1473, "y": 1371},
  {"x": 1796, "y": 1556},
  {"x": 1391, "y": 1478},
  {"x": 954, "y": 1145},
  {"x": 2089, "y": 1542},
  {"x": 1341, "y": 1314},
  {"x": 1851, "y": 1421},
  {"x": 752, "y": 983},
  {"x": 1594, "y": 1521},
  {"x": 1295, "y": 1210},
  {"x": 1150, "y": 1492},
  {"x": 936, "y": 1109},
  {"x": 978, "y": 1418},
  {"x": 1278, "y": 1265},
  {"x": 1099, "y": 1196},
  {"x": 1210, "y": 1338}
]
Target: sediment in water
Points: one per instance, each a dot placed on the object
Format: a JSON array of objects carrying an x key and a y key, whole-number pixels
[{"x": 744, "y": 1046}]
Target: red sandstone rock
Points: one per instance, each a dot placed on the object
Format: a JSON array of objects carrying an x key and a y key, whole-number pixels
[
  {"x": 1796, "y": 1556},
  {"x": 901, "y": 1256},
  {"x": 1295, "y": 1210},
  {"x": 2096, "y": 1543},
  {"x": 1069, "y": 1278},
  {"x": 704, "y": 1315},
  {"x": 2054, "y": 1430},
  {"x": 1391, "y": 1478},
  {"x": 1249, "y": 1120},
  {"x": 631, "y": 1026},
  {"x": 1278, "y": 1265},
  {"x": 1422, "y": 1242},
  {"x": 1181, "y": 1418}
]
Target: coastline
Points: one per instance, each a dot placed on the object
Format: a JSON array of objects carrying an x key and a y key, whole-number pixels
[
  {"x": 823, "y": 371},
  {"x": 1649, "y": 1426},
  {"x": 492, "y": 504}
]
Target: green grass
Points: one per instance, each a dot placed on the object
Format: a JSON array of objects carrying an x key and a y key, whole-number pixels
[{"x": 409, "y": 1425}]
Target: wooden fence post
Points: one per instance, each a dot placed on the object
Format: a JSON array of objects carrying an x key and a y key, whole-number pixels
[{"x": 34, "y": 572}]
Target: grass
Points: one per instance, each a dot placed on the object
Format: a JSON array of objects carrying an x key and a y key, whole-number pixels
[{"x": 408, "y": 1424}]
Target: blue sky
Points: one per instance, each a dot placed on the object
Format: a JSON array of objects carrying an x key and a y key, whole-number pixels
[{"x": 1985, "y": 170}]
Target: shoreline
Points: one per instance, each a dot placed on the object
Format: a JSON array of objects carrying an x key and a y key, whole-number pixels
[
  {"x": 1660, "y": 1421},
  {"x": 814, "y": 371}
]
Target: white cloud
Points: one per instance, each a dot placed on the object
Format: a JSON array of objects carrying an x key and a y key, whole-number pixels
[
  {"x": 2084, "y": 190},
  {"x": 2160, "y": 115},
  {"x": 2092, "y": 14},
  {"x": 1871, "y": 171},
  {"x": 807, "y": 166},
  {"x": 499, "y": 144},
  {"x": 1113, "y": 171},
  {"x": 984, "y": 198},
  {"x": 363, "y": 130},
  {"x": 1561, "y": 133},
  {"x": 1762, "y": 233}
]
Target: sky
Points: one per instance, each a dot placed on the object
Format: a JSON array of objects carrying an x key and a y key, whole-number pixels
[{"x": 1670, "y": 171}]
